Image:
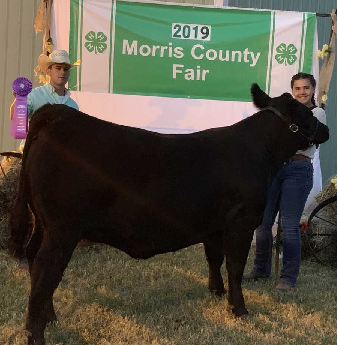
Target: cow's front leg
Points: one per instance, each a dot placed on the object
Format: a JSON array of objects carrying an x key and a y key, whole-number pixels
[
  {"x": 214, "y": 250},
  {"x": 46, "y": 273},
  {"x": 237, "y": 248}
]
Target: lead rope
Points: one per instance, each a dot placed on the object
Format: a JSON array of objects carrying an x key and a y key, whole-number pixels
[{"x": 277, "y": 245}]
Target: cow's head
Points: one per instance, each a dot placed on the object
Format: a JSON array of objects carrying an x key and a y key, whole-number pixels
[{"x": 297, "y": 116}]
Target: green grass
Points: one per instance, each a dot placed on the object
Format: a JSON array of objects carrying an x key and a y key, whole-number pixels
[{"x": 107, "y": 298}]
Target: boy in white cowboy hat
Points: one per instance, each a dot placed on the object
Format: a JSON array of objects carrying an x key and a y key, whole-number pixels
[{"x": 57, "y": 67}]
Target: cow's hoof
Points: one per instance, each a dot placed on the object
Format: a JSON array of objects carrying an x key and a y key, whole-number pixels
[
  {"x": 51, "y": 317},
  {"x": 32, "y": 341},
  {"x": 218, "y": 292},
  {"x": 35, "y": 339},
  {"x": 240, "y": 312}
]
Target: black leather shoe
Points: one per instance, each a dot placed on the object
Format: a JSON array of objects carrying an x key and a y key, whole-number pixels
[
  {"x": 252, "y": 276},
  {"x": 283, "y": 287}
]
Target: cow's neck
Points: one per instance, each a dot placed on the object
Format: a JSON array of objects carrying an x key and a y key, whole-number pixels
[{"x": 268, "y": 131}]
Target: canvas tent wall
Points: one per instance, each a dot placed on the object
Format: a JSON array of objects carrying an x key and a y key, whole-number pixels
[{"x": 19, "y": 50}]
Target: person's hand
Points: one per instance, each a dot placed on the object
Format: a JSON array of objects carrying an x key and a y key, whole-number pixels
[{"x": 11, "y": 108}]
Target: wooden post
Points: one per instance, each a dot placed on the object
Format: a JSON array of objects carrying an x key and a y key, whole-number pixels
[{"x": 278, "y": 240}]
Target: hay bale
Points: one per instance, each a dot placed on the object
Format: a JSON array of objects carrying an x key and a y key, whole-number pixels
[
  {"x": 9, "y": 180},
  {"x": 328, "y": 191}
]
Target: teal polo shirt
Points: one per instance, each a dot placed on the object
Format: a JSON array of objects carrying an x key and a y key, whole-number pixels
[{"x": 46, "y": 94}]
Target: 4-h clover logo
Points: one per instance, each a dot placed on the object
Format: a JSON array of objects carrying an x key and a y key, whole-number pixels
[
  {"x": 95, "y": 42},
  {"x": 286, "y": 54}
]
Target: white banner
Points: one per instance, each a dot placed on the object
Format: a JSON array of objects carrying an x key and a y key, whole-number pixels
[{"x": 287, "y": 37}]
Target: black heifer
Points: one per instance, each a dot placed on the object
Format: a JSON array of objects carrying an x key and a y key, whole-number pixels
[{"x": 148, "y": 193}]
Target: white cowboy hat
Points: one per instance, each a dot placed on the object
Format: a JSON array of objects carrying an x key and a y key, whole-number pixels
[{"x": 58, "y": 56}]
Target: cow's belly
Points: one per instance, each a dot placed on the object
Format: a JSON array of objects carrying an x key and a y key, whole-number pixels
[
  {"x": 141, "y": 230},
  {"x": 144, "y": 243}
]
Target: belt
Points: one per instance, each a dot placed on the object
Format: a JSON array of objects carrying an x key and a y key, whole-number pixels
[{"x": 299, "y": 158}]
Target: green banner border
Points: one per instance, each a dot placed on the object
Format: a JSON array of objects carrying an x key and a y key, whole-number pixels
[
  {"x": 309, "y": 43},
  {"x": 73, "y": 42}
]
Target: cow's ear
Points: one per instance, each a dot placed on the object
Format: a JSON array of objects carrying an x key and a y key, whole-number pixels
[{"x": 260, "y": 98}]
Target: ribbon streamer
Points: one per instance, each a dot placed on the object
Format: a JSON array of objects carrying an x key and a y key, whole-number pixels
[{"x": 19, "y": 125}]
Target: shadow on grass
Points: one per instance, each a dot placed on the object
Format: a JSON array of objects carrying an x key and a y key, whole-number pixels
[{"x": 59, "y": 333}]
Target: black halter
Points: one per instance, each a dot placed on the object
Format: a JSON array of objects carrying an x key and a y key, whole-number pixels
[{"x": 293, "y": 127}]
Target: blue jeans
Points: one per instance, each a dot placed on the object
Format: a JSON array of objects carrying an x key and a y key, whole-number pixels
[{"x": 288, "y": 194}]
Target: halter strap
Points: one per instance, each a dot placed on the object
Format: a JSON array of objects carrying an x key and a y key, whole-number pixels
[{"x": 292, "y": 126}]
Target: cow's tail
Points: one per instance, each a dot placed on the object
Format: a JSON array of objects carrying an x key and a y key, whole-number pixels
[{"x": 20, "y": 219}]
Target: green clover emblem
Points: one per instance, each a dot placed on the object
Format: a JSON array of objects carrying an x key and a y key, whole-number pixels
[
  {"x": 286, "y": 54},
  {"x": 95, "y": 42}
]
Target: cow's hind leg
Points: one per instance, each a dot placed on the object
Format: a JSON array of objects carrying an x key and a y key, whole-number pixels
[
  {"x": 214, "y": 250},
  {"x": 31, "y": 251},
  {"x": 48, "y": 266}
]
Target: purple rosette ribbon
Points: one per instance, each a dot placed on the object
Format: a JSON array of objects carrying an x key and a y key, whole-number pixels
[{"x": 19, "y": 125}]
